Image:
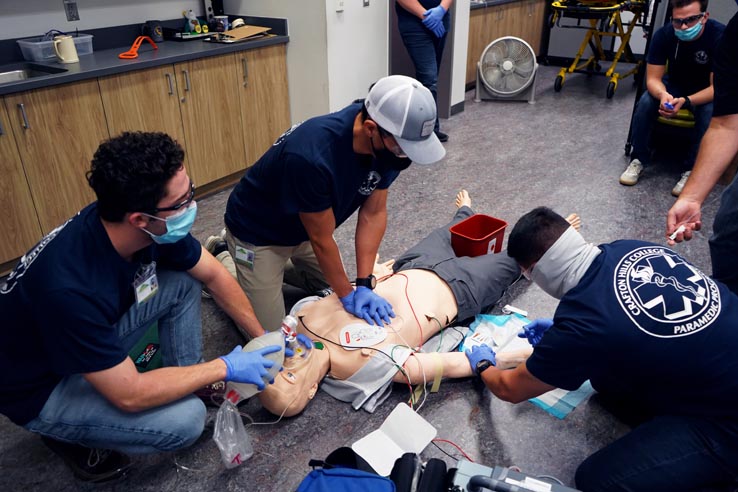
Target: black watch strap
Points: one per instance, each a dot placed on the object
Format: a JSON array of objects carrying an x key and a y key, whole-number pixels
[
  {"x": 482, "y": 366},
  {"x": 369, "y": 282},
  {"x": 687, "y": 103}
]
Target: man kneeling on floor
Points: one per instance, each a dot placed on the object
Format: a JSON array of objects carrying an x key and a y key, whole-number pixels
[
  {"x": 656, "y": 337},
  {"x": 80, "y": 300}
]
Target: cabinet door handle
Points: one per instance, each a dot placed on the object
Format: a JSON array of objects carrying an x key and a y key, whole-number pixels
[
  {"x": 22, "y": 108},
  {"x": 187, "y": 80},
  {"x": 169, "y": 81},
  {"x": 245, "y": 72}
]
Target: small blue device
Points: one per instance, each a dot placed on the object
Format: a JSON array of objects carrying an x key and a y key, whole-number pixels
[{"x": 668, "y": 106}]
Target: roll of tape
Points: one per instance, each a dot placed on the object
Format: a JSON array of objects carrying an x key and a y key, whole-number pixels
[{"x": 237, "y": 23}]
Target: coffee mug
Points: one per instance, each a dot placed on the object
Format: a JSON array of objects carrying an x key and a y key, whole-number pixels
[
  {"x": 65, "y": 49},
  {"x": 221, "y": 23},
  {"x": 153, "y": 29}
]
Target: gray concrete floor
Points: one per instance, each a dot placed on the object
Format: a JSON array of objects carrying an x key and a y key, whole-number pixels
[{"x": 565, "y": 151}]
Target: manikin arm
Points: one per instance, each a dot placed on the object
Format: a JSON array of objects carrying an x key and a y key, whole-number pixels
[{"x": 425, "y": 366}]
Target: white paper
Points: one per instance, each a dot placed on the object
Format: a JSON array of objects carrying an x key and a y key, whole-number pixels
[{"x": 403, "y": 431}]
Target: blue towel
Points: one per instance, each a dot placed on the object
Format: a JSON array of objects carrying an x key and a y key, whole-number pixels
[{"x": 560, "y": 402}]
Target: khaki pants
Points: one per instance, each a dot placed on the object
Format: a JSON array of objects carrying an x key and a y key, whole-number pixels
[{"x": 270, "y": 267}]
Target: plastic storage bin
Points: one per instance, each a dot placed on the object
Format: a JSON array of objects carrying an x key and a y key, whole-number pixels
[
  {"x": 477, "y": 235},
  {"x": 36, "y": 49}
]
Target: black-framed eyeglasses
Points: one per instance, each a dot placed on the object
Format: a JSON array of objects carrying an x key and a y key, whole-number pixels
[
  {"x": 182, "y": 204},
  {"x": 687, "y": 21}
]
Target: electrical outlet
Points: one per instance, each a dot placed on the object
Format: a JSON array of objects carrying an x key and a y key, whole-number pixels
[
  {"x": 70, "y": 8},
  {"x": 366, "y": 3}
]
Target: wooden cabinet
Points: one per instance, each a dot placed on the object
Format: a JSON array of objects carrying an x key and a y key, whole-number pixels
[
  {"x": 19, "y": 227},
  {"x": 208, "y": 90},
  {"x": 144, "y": 100},
  {"x": 523, "y": 19},
  {"x": 263, "y": 98},
  {"x": 57, "y": 131},
  {"x": 224, "y": 110}
]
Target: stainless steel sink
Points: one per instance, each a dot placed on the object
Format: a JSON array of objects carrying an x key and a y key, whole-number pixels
[{"x": 17, "y": 72}]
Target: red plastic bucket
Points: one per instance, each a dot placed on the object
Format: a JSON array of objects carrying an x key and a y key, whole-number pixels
[{"x": 478, "y": 235}]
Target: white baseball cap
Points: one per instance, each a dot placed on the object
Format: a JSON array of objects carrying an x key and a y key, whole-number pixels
[{"x": 405, "y": 109}]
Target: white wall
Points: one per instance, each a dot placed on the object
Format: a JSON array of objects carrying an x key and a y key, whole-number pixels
[
  {"x": 307, "y": 58},
  {"x": 358, "y": 49},
  {"x": 461, "y": 44},
  {"x": 25, "y": 18}
]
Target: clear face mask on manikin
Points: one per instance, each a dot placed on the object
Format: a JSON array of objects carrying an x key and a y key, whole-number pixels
[
  {"x": 178, "y": 225},
  {"x": 690, "y": 33}
]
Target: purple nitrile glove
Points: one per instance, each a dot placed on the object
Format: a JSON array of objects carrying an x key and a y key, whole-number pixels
[
  {"x": 373, "y": 308},
  {"x": 534, "y": 331},
  {"x": 249, "y": 367},
  {"x": 433, "y": 20}
]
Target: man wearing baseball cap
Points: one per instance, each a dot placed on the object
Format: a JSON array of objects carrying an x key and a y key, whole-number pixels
[{"x": 281, "y": 216}]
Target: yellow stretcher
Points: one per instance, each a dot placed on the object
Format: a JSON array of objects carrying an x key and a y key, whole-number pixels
[{"x": 604, "y": 18}]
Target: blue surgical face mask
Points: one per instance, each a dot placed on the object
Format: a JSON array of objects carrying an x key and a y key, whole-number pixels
[
  {"x": 178, "y": 225},
  {"x": 689, "y": 33}
]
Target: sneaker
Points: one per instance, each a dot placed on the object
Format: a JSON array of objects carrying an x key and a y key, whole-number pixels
[
  {"x": 88, "y": 464},
  {"x": 215, "y": 245},
  {"x": 443, "y": 137},
  {"x": 632, "y": 173},
  {"x": 677, "y": 189},
  {"x": 212, "y": 395}
]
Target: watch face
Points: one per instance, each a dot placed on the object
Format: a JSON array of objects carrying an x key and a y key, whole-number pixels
[{"x": 483, "y": 365}]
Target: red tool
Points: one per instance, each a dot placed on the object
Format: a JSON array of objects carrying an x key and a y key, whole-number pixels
[{"x": 133, "y": 52}]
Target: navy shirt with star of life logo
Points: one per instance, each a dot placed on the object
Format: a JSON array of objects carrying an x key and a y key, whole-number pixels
[
  {"x": 649, "y": 329},
  {"x": 310, "y": 168},
  {"x": 61, "y": 304},
  {"x": 690, "y": 62}
]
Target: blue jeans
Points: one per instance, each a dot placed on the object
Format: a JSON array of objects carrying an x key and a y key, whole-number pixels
[
  {"x": 666, "y": 454},
  {"x": 645, "y": 116},
  {"x": 426, "y": 51},
  {"x": 724, "y": 240},
  {"x": 76, "y": 412}
]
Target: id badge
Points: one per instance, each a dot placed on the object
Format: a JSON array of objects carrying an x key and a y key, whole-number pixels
[
  {"x": 145, "y": 284},
  {"x": 245, "y": 257}
]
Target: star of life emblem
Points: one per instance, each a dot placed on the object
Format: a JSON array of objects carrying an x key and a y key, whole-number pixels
[{"x": 663, "y": 294}]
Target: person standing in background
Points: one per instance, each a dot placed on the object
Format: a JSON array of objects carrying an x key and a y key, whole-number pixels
[{"x": 423, "y": 25}]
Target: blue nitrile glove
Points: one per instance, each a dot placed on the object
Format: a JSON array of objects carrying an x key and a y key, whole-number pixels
[
  {"x": 433, "y": 20},
  {"x": 249, "y": 367},
  {"x": 348, "y": 301},
  {"x": 305, "y": 340},
  {"x": 479, "y": 353},
  {"x": 372, "y": 307},
  {"x": 302, "y": 339},
  {"x": 534, "y": 331}
]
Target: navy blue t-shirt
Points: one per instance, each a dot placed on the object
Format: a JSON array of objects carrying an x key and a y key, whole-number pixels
[
  {"x": 646, "y": 327},
  {"x": 690, "y": 62},
  {"x": 312, "y": 167},
  {"x": 726, "y": 72},
  {"x": 60, "y": 306}
]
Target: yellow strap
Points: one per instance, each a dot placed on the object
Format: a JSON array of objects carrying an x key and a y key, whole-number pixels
[
  {"x": 418, "y": 391},
  {"x": 439, "y": 371}
]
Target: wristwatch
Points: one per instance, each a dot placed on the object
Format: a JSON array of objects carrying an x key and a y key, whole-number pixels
[
  {"x": 687, "y": 103},
  {"x": 482, "y": 366},
  {"x": 370, "y": 282}
]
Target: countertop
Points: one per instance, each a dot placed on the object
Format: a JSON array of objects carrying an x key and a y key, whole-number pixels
[
  {"x": 489, "y": 3},
  {"x": 106, "y": 62}
]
